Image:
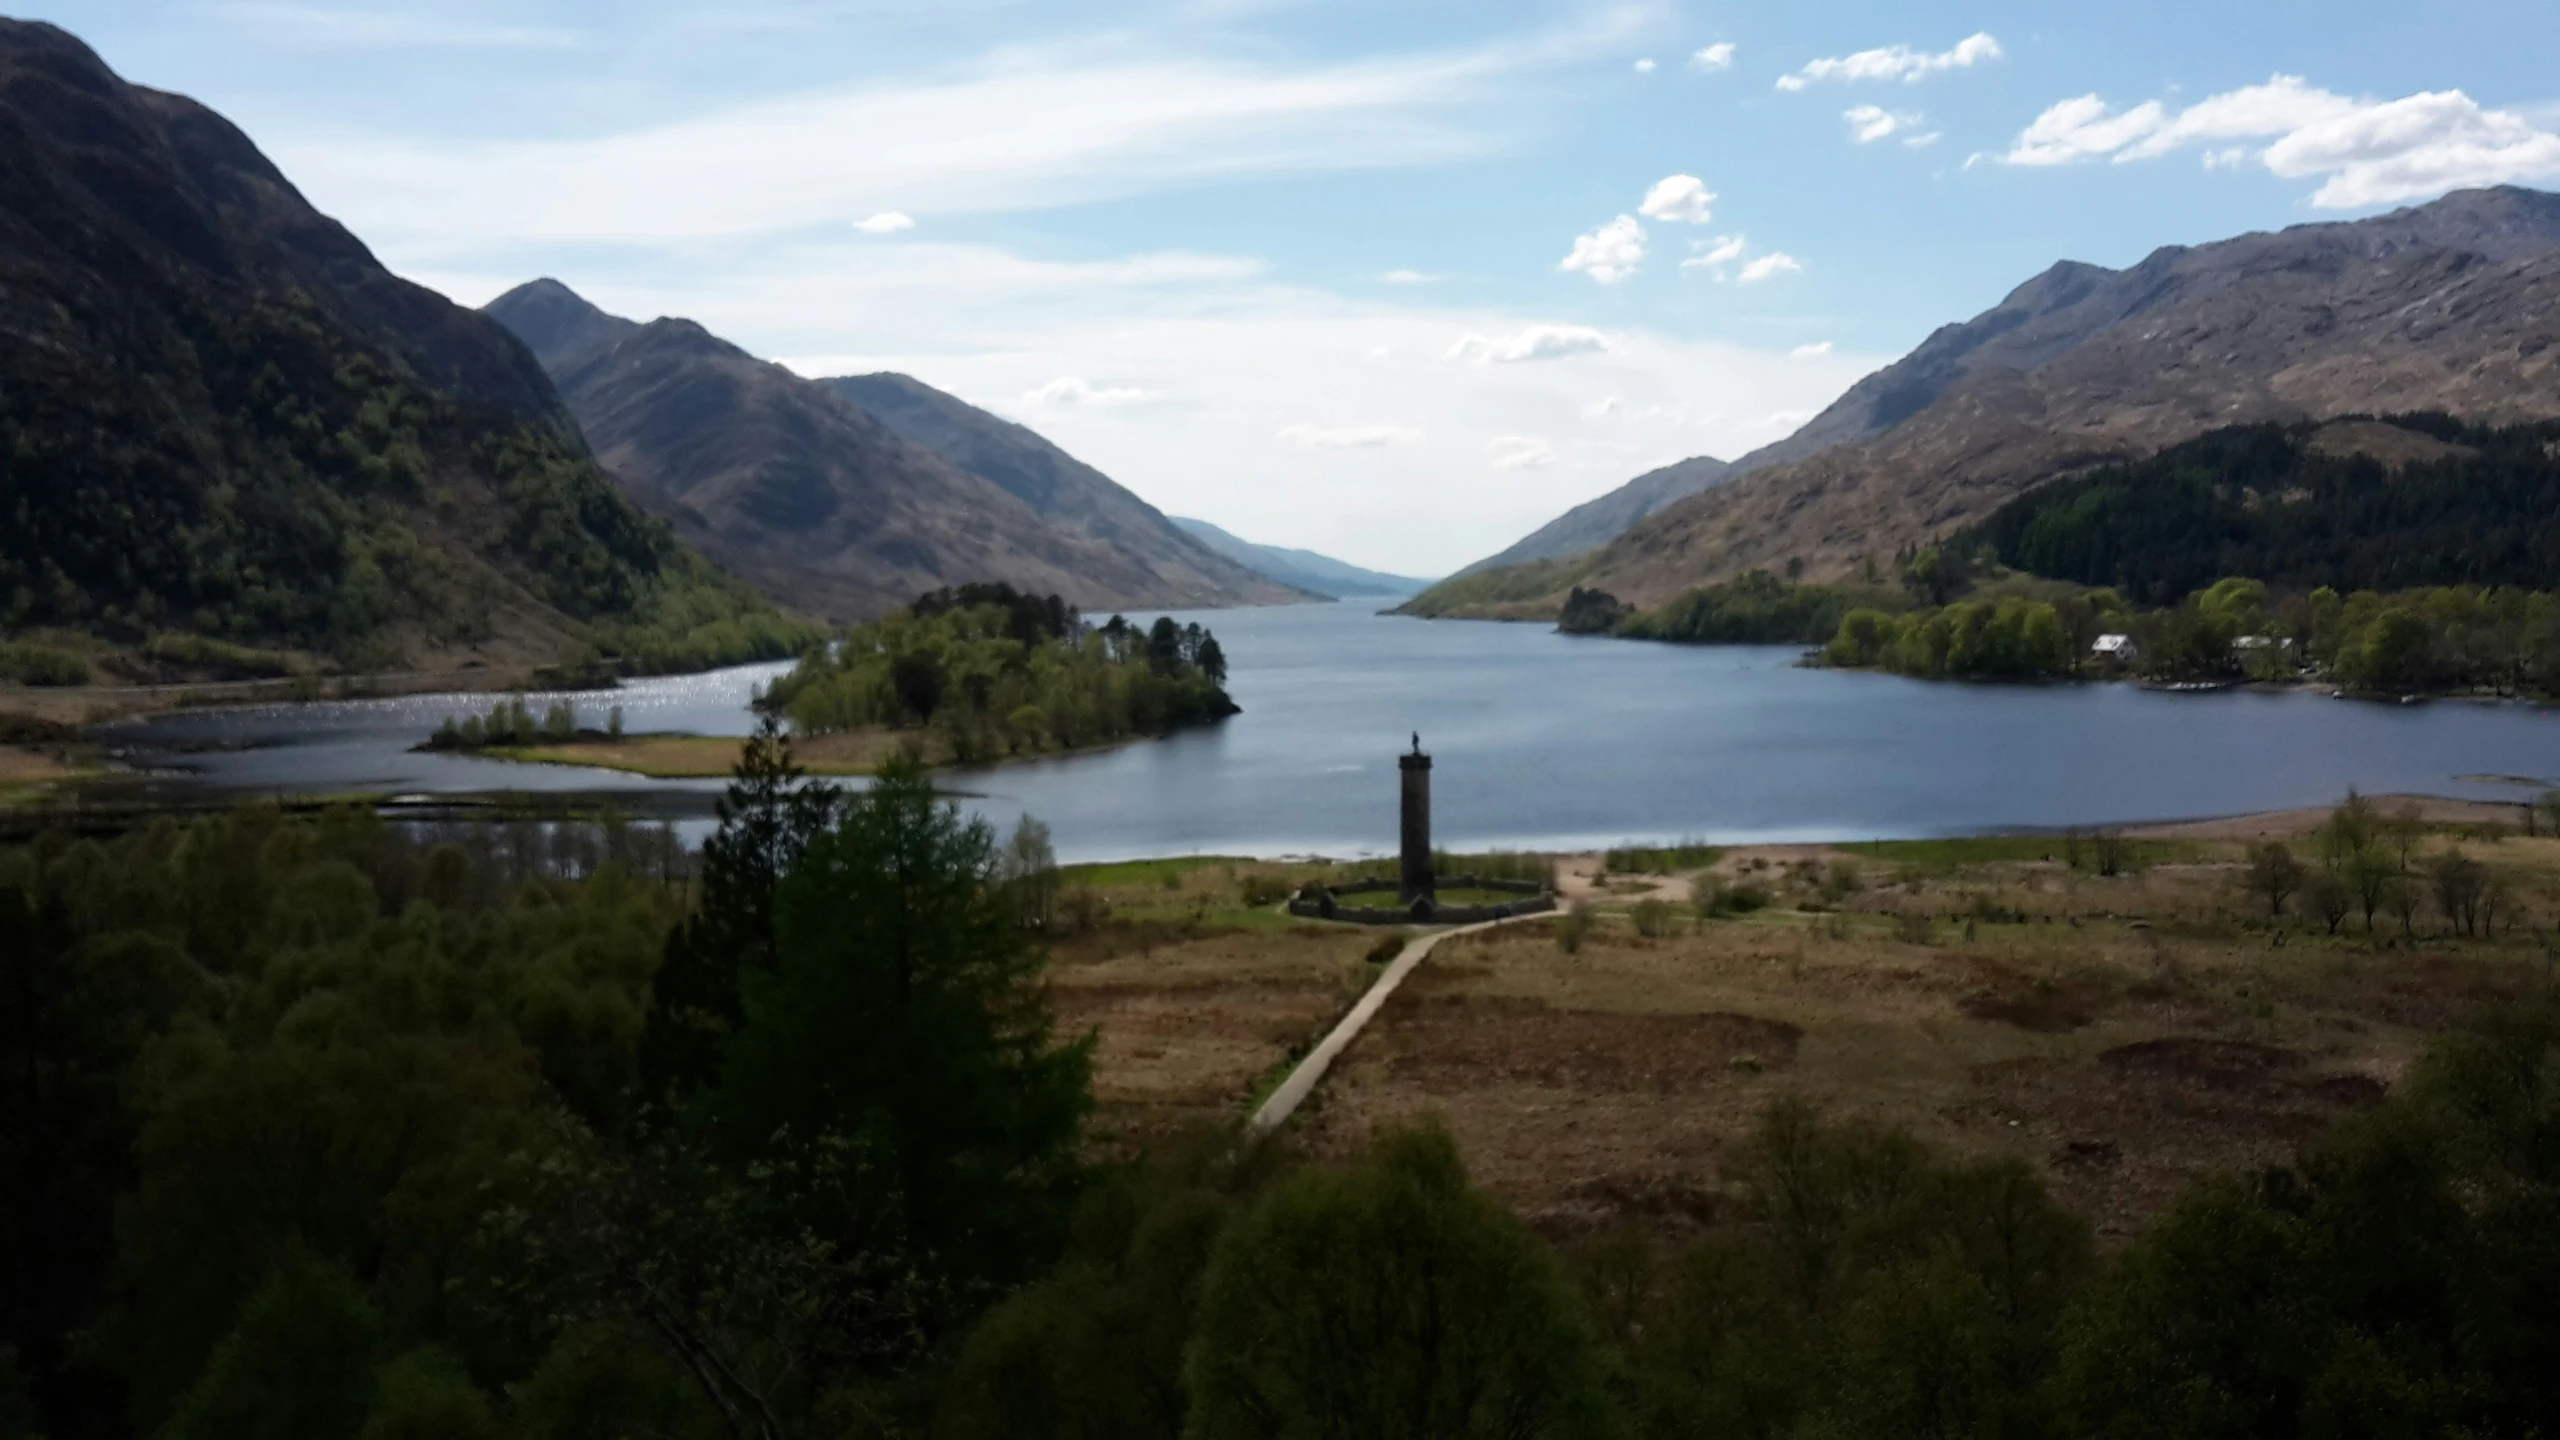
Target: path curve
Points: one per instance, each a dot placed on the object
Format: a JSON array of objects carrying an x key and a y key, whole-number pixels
[{"x": 1302, "y": 1081}]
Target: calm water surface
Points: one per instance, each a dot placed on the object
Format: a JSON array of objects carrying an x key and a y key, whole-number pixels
[{"x": 1540, "y": 741}]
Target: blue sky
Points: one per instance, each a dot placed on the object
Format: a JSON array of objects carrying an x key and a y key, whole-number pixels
[{"x": 1378, "y": 280}]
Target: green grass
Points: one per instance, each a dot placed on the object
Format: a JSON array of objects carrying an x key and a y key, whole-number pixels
[
  {"x": 1956, "y": 854},
  {"x": 1661, "y": 859},
  {"x": 1145, "y": 872}
]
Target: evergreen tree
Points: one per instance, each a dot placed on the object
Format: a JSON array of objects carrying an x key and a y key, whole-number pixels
[
  {"x": 902, "y": 1033},
  {"x": 768, "y": 817}
]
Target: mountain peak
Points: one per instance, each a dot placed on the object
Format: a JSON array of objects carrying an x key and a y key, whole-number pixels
[{"x": 555, "y": 322}]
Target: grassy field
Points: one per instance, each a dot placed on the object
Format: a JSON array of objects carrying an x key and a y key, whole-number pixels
[{"x": 2122, "y": 1033}]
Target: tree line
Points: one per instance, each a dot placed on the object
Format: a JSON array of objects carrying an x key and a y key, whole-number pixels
[
  {"x": 2276, "y": 503},
  {"x": 992, "y": 671}
]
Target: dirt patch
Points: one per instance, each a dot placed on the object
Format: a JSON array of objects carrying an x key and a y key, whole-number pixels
[
  {"x": 1449, "y": 1043},
  {"x": 2213, "y": 1064}
]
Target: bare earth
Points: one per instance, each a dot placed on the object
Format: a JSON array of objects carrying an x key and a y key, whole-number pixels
[{"x": 2123, "y": 1034}]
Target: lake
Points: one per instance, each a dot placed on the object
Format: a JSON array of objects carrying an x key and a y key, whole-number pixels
[{"x": 1540, "y": 741}]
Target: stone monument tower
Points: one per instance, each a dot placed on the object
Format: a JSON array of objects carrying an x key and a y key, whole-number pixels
[{"x": 1416, "y": 768}]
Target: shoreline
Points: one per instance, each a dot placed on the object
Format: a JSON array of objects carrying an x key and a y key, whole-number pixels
[{"x": 676, "y": 755}]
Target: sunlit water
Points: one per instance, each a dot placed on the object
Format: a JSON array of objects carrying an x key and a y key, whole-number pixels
[{"x": 1540, "y": 741}]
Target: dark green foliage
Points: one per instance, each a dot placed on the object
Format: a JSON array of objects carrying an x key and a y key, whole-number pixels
[
  {"x": 1389, "y": 1299},
  {"x": 902, "y": 1024},
  {"x": 1029, "y": 619},
  {"x": 425, "y": 1395},
  {"x": 768, "y": 817},
  {"x": 510, "y": 723},
  {"x": 991, "y": 671},
  {"x": 2257, "y": 500},
  {"x": 1758, "y": 609},
  {"x": 1095, "y": 1351},
  {"x": 299, "y": 1365},
  {"x": 1591, "y": 612},
  {"x": 259, "y": 1049},
  {"x": 600, "y": 1383}
]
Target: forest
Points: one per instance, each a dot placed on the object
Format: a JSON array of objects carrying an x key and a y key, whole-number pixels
[
  {"x": 991, "y": 671},
  {"x": 317, "y": 1127},
  {"x": 2467, "y": 505}
]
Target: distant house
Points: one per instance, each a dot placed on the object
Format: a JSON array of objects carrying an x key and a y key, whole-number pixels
[
  {"x": 2248, "y": 645},
  {"x": 2115, "y": 647}
]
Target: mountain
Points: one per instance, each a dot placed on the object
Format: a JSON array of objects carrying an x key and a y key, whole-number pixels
[
  {"x": 2451, "y": 306},
  {"x": 1595, "y": 523},
  {"x": 829, "y": 508},
  {"x": 221, "y": 416},
  {"x": 1304, "y": 569},
  {"x": 1064, "y": 490}
]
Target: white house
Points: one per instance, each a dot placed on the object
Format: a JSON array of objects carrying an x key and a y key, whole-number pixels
[{"x": 2115, "y": 647}]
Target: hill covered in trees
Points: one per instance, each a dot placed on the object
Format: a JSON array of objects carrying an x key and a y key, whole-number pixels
[
  {"x": 2391, "y": 504},
  {"x": 220, "y": 417}
]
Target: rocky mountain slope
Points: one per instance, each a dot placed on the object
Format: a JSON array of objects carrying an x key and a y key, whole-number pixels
[
  {"x": 1065, "y": 491},
  {"x": 1595, "y": 523},
  {"x": 221, "y": 418},
  {"x": 2451, "y": 306},
  {"x": 1305, "y": 569},
  {"x": 827, "y": 507}
]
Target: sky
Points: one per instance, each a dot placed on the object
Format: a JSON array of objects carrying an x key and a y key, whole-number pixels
[{"x": 1395, "y": 282}]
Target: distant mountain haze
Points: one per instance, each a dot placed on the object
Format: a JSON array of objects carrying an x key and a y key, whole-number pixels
[
  {"x": 2452, "y": 306},
  {"x": 833, "y": 509},
  {"x": 1305, "y": 569},
  {"x": 219, "y": 414}
]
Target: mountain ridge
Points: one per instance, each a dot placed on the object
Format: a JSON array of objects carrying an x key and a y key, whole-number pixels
[
  {"x": 2452, "y": 305},
  {"x": 1306, "y": 569},
  {"x": 821, "y": 503}
]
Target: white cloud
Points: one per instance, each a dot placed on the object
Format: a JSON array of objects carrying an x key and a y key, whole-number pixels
[
  {"x": 318, "y": 27},
  {"x": 1810, "y": 352},
  {"x": 1776, "y": 262},
  {"x": 1716, "y": 254},
  {"x": 1520, "y": 452},
  {"x": 1536, "y": 342},
  {"x": 1071, "y": 391},
  {"x": 1645, "y": 66},
  {"x": 1895, "y": 62},
  {"x": 1609, "y": 254},
  {"x": 1603, "y": 408},
  {"x": 887, "y": 222},
  {"x": 2364, "y": 152},
  {"x": 1714, "y": 58},
  {"x": 1024, "y": 128},
  {"x": 1783, "y": 419},
  {"x": 1346, "y": 437},
  {"x": 1409, "y": 277},
  {"x": 1680, "y": 198},
  {"x": 1870, "y": 123}
]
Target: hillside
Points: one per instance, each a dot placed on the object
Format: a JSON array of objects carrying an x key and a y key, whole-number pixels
[
  {"x": 221, "y": 420},
  {"x": 2451, "y": 306},
  {"x": 1303, "y": 569},
  {"x": 1595, "y": 523},
  {"x": 828, "y": 508}
]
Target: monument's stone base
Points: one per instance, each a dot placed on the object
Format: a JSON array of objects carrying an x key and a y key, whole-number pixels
[{"x": 1338, "y": 902}]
